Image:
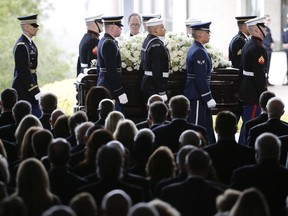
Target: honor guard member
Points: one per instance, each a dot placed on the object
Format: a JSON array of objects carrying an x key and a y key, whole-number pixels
[
  {"x": 109, "y": 60},
  {"x": 89, "y": 44},
  {"x": 26, "y": 60},
  {"x": 188, "y": 24},
  {"x": 252, "y": 73},
  {"x": 155, "y": 61},
  {"x": 147, "y": 17},
  {"x": 238, "y": 41},
  {"x": 197, "y": 87},
  {"x": 284, "y": 39}
]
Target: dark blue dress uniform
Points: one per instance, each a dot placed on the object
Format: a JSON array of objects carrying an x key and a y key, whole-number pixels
[
  {"x": 109, "y": 61},
  {"x": 26, "y": 61},
  {"x": 197, "y": 87},
  {"x": 267, "y": 41},
  {"x": 252, "y": 77},
  {"x": 284, "y": 39},
  {"x": 87, "y": 50},
  {"x": 155, "y": 64},
  {"x": 237, "y": 42}
]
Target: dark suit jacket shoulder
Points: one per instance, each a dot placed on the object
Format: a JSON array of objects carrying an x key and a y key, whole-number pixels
[
  {"x": 168, "y": 135},
  {"x": 263, "y": 117}
]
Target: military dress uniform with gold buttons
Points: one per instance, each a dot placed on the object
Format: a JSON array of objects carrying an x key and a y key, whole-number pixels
[
  {"x": 237, "y": 42},
  {"x": 109, "y": 64},
  {"x": 25, "y": 77}
]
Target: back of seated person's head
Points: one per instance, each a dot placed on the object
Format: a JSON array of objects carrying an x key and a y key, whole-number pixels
[
  {"x": 83, "y": 204},
  {"x": 91, "y": 130},
  {"x": 80, "y": 131},
  {"x": 225, "y": 201},
  {"x": 181, "y": 157},
  {"x": 21, "y": 109},
  {"x": 143, "y": 144},
  {"x": 163, "y": 208},
  {"x": 116, "y": 202},
  {"x": 59, "y": 210},
  {"x": 143, "y": 209},
  {"x": 179, "y": 107},
  {"x": 226, "y": 124},
  {"x": 40, "y": 141},
  {"x": 275, "y": 108},
  {"x": 4, "y": 170},
  {"x": 117, "y": 145},
  {"x": 93, "y": 98},
  {"x": 112, "y": 120},
  {"x": 54, "y": 116},
  {"x": 2, "y": 149},
  {"x": 264, "y": 98},
  {"x": 13, "y": 206},
  {"x": 190, "y": 137},
  {"x": 251, "y": 202},
  {"x": 153, "y": 98},
  {"x": 48, "y": 103},
  {"x": 59, "y": 152},
  {"x": 267, "y": 147},
  {"x": 198, "y": 163},
  {"x": 8, "y": 99},
  {"x": 75, "y": 119},
  {"x": 109, "y": 163},
  {"x": 158, "y": 112},
  {"x": 27, "y": 122},
  {"x": 61, "y": 127},
  {"x": 105, "y": 107}
]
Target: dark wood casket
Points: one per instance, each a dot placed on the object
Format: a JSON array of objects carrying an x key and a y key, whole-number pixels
[{"x": 224, "y": 87}]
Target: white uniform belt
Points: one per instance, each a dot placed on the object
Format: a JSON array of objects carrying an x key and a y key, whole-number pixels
[
  {"x": 104, "y": 70},
  {"x": 33, "y": 70},
  {"x": 84, "y": 65},
  {"x": 149, "y": 73},
  {"x": 248, "y": 73}
]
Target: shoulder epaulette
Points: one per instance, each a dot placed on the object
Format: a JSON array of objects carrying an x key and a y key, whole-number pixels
[{"x": 20, "y": 43}]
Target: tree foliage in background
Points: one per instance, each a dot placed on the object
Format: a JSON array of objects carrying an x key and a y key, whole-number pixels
[{"x": 54, "y": 64}]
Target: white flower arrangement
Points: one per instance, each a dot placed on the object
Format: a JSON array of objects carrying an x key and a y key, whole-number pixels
[{"x": 177, "y": 44}]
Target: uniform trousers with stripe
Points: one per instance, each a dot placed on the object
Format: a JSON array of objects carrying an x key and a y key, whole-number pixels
[
  {"x": 250, "y": 111},
  {"x": 201, "y": 115}
]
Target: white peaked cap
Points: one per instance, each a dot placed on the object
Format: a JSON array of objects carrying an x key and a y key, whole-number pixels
[
  {"x": 154, "y": 22},
  {"x": 255, "y": 21},
  {"x": 94, "y": 18}
]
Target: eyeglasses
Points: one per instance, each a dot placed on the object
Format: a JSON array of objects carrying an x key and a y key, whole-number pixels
[{"x": 135, "y": 24}]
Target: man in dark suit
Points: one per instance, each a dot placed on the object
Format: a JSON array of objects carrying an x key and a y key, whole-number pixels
[
  {"x": 109, "y": 167},
  {"x": 226, "y": 154},
  {"x": 63, "y": 182},
  {"x": 88, "y": 46},
  {"x": 26, "y": 61},
  {"x": 267, "y": 175},
  {"x": 9, "y": 97},
  {"x": 48, "y": 103},
  {"x": 195, "y": 195},
  {"x": 168, "y": 134},
  {"x": 275, "y": 109},
  {"x": 263, "y": 117},
  {"x": 238, "y": 41}
]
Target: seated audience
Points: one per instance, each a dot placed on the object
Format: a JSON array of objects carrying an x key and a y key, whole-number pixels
[
  {"x": 64, "y": 183},
  {"x": 116, "y": 202},
  {"x": 80, "y": 131},
  {"x": 105, "y": 107},
  {"x": 13, "y": 206},
  {"x": 61, "y": 127},
  {"x": 157, "y": 114},
  {"x": 83, "y": 204},
  {"x": 54, "y": 116},
  {"x": 112, "y": 120},
  {"x": 250, "y": 203},
  {"x": 195, "y": 195},
  {"x": 8, "y": 99},
  {"x": 59, "y": 210},
  {"x": 141, "y": 209},
  {"x": 168, "y": 134},
  {"x": 47, "y": 103},
  {"x": 163, "y": 208},
  {"x": 226, "y": 154},
  {"x": 190, "y": 137},
  {"x": 267, "y": 174},
  {"x": 226, "y": 201}
]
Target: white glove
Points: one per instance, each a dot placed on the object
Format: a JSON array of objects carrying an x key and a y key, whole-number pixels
[
  {"x": 164, "y": 98},
  {"x": 37, "y": 96},
  {"x": 211, "y": 103},
  {"x": 123, "y": 98}
]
